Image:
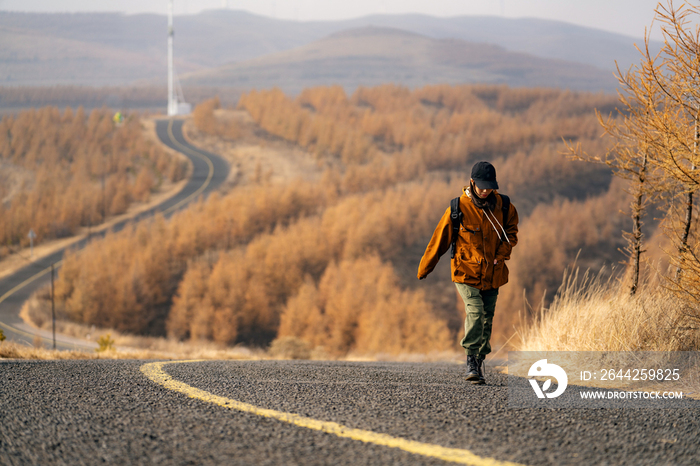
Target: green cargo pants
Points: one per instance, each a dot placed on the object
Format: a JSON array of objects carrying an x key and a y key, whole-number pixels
[{"x": 479, "y": 307}]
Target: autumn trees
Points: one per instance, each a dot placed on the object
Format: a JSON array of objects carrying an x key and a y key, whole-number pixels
[
  {"x": 656, "y": 138},
  {"x": 73, "y": 169},
  {"x": 205, "y": 120},
  {"x": 433, "y": 128},
  {"x": 357, "y": 304},
  {"x": 332, "y": 261}
]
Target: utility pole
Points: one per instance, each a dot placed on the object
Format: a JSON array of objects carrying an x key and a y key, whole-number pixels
[
  {"x": 53, "y": 310},
  {"x": 104, "y": 210}
]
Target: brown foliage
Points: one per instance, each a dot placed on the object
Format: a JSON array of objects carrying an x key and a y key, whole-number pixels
[
  {"x": 656, "y": 139},
  {"x": 446, "y": 126},
  {"x": 548, "y": 241},
  {"x": 136, "y": 97},
  {"x": 204, "y": 117},
  {"x": 358, "y": 307},
  {"x": 320, "y": 120},
  {"x": 246, "y": 290},
  {"x": 135, "y": 277},
  {"x": 82, "y": 169},
  {"x": 330, "y": 262}
]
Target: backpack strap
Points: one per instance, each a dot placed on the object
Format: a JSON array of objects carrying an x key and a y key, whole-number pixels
[
  {"x": 505, "y": 208},
  {"x": 456, "y": 217}
]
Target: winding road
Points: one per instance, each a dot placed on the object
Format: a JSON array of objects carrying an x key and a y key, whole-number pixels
[
  {"x": 88, "y": 412},
  {"x": 209, "y": 172}
]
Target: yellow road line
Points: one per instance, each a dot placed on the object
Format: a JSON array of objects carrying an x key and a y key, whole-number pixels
[
  {"x": 154, "y": 371},
  {"x": 198, "y": 154}
]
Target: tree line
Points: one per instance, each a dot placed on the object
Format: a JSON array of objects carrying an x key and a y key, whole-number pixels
[
  {"x": 653, "y": 152},
  {"x": 333, "y": 262},
  {"x": 73, "y": 169},
  {"x": 656, "y": 135},
  {"x": 117, "y": 97}
]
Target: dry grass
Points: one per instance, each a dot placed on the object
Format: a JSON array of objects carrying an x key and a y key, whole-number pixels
[
  {"x": 161, "y": 348},
  {"x": 36, "y": 312},
  {"x": 255, "y": 157},
  {"x": 592, "y": 314},
  {"x": 457, "y": 357},
  {"x": 14, "y": 350}
]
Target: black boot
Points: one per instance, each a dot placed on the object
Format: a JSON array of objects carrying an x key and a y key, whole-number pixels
[
  {"x": 472, "y": 369},
  {"x": 481, "y": 368}
]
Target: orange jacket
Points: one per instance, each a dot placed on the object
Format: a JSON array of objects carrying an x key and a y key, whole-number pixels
[{"x": 478, "y": 245}]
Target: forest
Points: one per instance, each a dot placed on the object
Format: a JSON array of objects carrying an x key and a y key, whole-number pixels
[
  {"x": 65, "y": 170},
  {"x": 126, "y": 98},
  {"x": 332, "y": 262}
]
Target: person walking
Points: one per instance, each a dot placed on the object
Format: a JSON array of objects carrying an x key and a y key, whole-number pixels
[{"x": 482, "y": 236}]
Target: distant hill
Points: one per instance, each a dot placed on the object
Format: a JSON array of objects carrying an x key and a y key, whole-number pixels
[
  {"x": 371, "y": 56},
  {"x": 115, "y": 49},
  {"x": 538, "y": 37},
  {"x": 88, "y": 49}
]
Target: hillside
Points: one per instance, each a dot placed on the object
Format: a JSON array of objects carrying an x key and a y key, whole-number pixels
[
  {"x": 115, "y": 49},
  {"x": 539, "y": 37},
  {"x": 331, "y": 258},
  {"x": 371, "y": 56},
  {"x": 60, "y": 172}
]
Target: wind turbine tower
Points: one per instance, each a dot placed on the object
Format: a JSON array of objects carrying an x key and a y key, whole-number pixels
[
  {"x": 176, "y": 106},
  {"x": 172, "y": 100}
]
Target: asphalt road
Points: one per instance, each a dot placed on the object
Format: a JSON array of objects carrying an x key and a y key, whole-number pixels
[
  {"x": 117, "y": 412},
  {"x": 209, "y": 172}
]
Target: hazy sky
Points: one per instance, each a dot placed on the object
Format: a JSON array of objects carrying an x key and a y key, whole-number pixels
[{"x": 627, "y": 17}]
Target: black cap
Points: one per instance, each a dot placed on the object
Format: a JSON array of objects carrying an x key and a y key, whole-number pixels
[{"x": 484, "y": 176}]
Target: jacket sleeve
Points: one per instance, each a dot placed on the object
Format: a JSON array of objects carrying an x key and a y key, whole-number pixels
[
  {"x": 438, "y": 245},
  {"x": 505, "y": 248}
]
